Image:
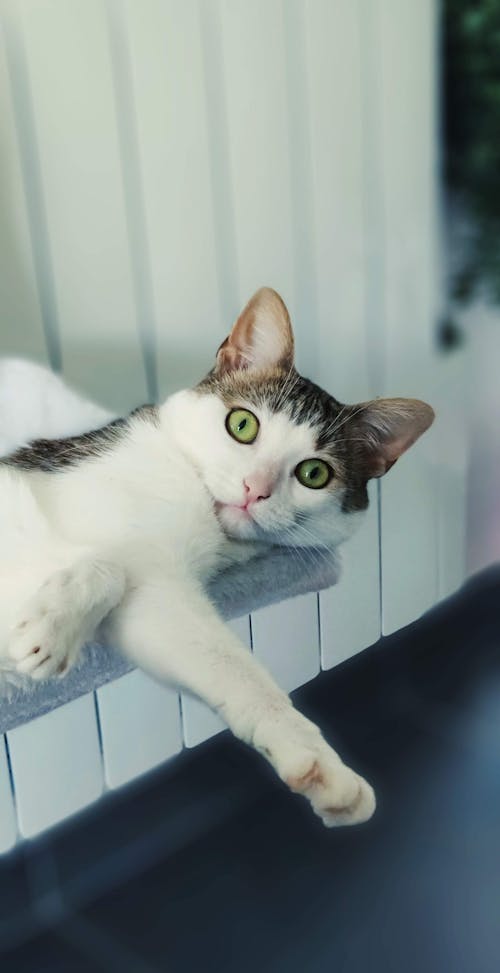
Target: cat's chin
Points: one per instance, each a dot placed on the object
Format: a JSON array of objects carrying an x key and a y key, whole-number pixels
[{"x": 236, "y": 521}]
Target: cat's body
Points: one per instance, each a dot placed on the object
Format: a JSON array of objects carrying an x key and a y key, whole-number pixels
[
  {"x": 135, "y": 502},
  {"x": 119, "y": 531}
]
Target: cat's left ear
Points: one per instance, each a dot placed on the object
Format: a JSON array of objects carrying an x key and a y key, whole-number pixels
[
  {"x": 389, "y": 427},
  {"x": 261, "y": 338}
]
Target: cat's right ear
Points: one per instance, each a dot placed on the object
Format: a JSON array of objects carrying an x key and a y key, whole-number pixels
[
  {"x": 388, "y": 427},
  {"x": 261, "y": 338}
]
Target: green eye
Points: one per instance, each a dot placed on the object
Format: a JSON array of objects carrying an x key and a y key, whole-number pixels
[
  {"x": 313, "y": 473},
  {"x": 242, "y": 425}
]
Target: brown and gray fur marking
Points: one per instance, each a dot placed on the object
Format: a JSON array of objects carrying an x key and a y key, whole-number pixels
[{"x": 55, "y": 455}]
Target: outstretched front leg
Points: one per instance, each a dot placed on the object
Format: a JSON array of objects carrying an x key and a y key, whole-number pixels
[
  {"x": 170, "y": 628},
  {"x": 63, "y": 615}
]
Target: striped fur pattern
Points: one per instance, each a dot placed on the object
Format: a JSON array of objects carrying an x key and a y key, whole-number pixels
[{"x": 55, "y": 455}]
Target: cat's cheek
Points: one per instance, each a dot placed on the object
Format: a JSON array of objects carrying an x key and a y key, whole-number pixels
[
  {"x": 327, "y": 501},
  {"x": 223, "y": 490}
]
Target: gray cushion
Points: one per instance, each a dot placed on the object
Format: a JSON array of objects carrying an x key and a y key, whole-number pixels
[{"x": 235, "y": 591}]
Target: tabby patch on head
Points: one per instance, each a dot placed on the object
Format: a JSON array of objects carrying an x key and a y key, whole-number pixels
[{"x": 284, "y": 459}]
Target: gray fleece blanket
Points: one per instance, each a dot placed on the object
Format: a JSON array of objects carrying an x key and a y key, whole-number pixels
[{"x": 236, "y": 591}]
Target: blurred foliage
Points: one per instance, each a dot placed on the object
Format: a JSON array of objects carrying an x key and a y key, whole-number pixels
[{"x": 472, "y": 126}]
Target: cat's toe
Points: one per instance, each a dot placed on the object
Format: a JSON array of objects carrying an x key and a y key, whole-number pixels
[
  {"x": 53, "y": 660},
  {"x": 38, "y": 650},
  {"x": 22, "y": 644},
  {"x": 346, "y": 810},
  {"x": 337, "y": 794},
  {"x": 50, "y": 666},
  {"x": 35, "y": 664}
]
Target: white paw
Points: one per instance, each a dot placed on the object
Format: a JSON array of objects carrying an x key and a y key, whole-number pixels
[
  {"x": 306, "y": 763},
  {"x": 337, "y": 794},
  {"x": 46, "y": 640}
]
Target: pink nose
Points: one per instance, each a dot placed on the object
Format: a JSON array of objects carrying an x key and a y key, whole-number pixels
[{"x": 258, "y": 486}]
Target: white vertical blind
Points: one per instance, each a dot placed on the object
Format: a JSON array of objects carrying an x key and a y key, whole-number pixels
[
  {"x": 8, "y": 823},
  {"x": 350, "y": 611},
  {"x": 174, "y": 143},
  {"x": 70, "y": 76},
  {"x": 21, "y": 330},
  {"x": 56, "y": 765},
  {"x": 402, "y": 87},
  {"x": 140, "y": 726},
  {"x": 285, "y": 638},
  {"x": 256, "y": 119}
]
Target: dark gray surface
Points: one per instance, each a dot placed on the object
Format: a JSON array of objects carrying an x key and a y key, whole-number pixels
[
  {"x": 235, "y": 591},
  {"x": 211, "y": 865}
]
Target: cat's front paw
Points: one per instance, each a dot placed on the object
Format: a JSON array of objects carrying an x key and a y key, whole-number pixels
[
  {"x": 337, "y": 794},
  {"x": 43, "y": 647},
  {"x": 46, "y": 640},
  {"x": 309, "y": 766}
]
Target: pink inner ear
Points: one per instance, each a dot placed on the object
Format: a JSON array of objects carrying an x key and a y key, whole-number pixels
[
  {"x": 396, "y": 424},
  {"x": 393, "y": 450},
  {"x": 262, "y": 336},
  {"x": 389, "y": 453},
  {"x": 231, "y": 357}
]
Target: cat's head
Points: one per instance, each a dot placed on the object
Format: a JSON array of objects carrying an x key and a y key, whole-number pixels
[{"x": 282, "y": 459}]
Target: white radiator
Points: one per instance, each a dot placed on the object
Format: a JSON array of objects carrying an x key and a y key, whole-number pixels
[{"x": 160, "y": 161}]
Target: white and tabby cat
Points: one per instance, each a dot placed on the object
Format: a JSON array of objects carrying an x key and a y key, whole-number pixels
[{"x": 117, "y": 531}]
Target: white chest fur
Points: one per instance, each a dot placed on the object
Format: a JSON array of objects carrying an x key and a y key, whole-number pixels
[{"x": 141, "y": 505}]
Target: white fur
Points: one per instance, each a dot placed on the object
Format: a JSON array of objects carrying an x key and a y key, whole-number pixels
[
  {"x": 126, "y": 542},
  {"x": 35, "y": 403}
]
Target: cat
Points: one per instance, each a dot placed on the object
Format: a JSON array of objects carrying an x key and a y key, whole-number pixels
[{"x": 116, "y": 533}]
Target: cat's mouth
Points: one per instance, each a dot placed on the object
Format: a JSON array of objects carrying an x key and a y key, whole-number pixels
[
  {"x": 242, "y": 513},
  {"x": 236, "y": 520}
]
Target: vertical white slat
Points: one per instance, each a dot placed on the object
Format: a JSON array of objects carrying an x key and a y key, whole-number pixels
[
  {"x": 199, "y": 722},
  {"x": 22, "y": 327},
  {"x": 336, "y": 138},
  {"x": 8, "y": 827},
  {"x": 304, "y": 300},
  {"x": 167, "y": 66},
  {"x": 481, "y": 390},
  {"x": 140, "y": 726},
  {"x": 68, "y": 54},
  {"x": 138, "y": 243},
  {"x": 254, "y": 60},
  {"x": 452, "y": 529},
  {"x": 285, "y": 638},
  {"x": 409, "y": 541},
  {"x": 451, "y": 408},
  {"x": 350, "y": 611},
  {"x": 405, "y": 97},
  {"x": 56, "y": 765}
]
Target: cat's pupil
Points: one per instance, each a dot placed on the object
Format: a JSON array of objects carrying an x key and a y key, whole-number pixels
[
  {"x": 314, "y": 472},
  {"x": 242, "y": 424}
]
